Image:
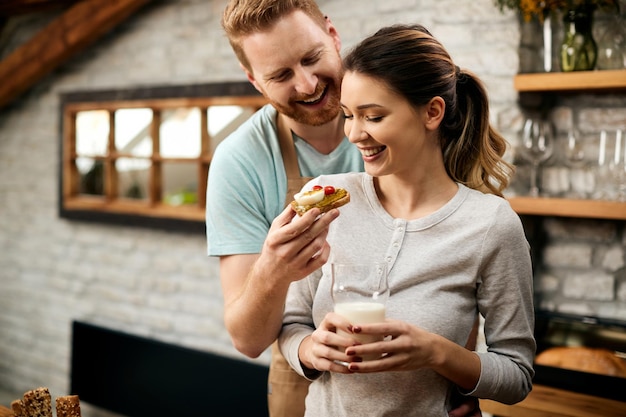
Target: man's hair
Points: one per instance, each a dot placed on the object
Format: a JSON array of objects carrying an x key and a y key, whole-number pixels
[{"x": 245, "y": 17}]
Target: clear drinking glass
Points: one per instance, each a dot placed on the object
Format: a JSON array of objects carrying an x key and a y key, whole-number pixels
[
  {"x": 619, "y": 166},
  {"x": 360, "y": 292},
  {"x": 576, "y": 160},
  {"x": 610, "y": 172},
  {"x": 536, "y": 147}
]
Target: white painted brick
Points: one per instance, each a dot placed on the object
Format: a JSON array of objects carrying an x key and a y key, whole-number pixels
[
  {"x": 398, "y": 6},
  {"x": 595, "y": 119},
  {"x": 613, "y": 259},
  {"x": 579, "y": 229},
  {"x": 548, "y": 283},
  {"x": 580, "y": 309},
  {"x": 593, "y": 285},
  {"x": 198, "y": 305},
  {"x": 568, "y": 255},
  {"x": 615, "y": 311}
]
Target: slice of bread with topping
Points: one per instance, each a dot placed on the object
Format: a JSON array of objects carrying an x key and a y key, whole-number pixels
[{"x": 324, "y": 198}]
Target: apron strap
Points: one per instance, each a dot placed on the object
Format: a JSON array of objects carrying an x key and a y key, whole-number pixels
[
  {"x": 287, "y": 148},
  {"x": 295, "y": 181}
]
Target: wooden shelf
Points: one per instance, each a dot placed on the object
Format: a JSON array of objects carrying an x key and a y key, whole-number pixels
[
  {"x": 606, "y": 81},
  {"x": 188, "y": 212},
  {"x": 551, "y": 402},
  {"x": 569, "y": 208}
]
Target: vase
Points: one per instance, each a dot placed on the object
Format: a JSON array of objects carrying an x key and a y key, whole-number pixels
[{"x": 579, "y": 50}]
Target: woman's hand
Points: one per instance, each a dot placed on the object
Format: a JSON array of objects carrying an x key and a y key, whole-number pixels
[
  {"x": 404, "y": 348},
  {"x": 325, "y": 350},
  {"x": 408, "y": 347}
]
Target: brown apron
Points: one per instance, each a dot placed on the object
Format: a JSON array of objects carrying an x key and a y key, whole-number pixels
[{"x": 286, "y": 389}]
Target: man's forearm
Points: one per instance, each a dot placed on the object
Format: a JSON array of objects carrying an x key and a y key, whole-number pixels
[
  {"x": 253, "y": 327},
  {"x": 254, "y": 318}
]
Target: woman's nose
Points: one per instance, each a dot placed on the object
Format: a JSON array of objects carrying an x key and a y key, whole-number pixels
[{"x": 354, "y": 132}]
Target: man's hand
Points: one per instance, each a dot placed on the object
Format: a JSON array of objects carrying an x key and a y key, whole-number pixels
[
  {"x": 255, "y": 285},
  {"x": 294, "y": 248},
  {"x": 469, "y": 408}
]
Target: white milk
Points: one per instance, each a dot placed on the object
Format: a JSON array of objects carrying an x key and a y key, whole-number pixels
[{"x": 361, "y": 313}]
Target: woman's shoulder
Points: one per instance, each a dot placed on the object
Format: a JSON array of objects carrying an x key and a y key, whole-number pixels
[
  {"x": 488, "y": 204},
  {"x": 345, "y": 180}
]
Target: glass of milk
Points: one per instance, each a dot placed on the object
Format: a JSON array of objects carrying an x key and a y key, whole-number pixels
[{"x": 360, "y": 292}]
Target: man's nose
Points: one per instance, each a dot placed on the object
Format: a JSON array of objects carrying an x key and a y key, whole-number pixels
[{"x": 306, "y": 82}]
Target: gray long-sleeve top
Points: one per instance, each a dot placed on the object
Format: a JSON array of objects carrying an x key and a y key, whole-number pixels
[{"x": 470, "y": 255}]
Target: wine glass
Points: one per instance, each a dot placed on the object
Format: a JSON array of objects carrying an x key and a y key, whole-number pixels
[
  {"x": 575, "y": 158},
  {"x": 536, "y": 147}
]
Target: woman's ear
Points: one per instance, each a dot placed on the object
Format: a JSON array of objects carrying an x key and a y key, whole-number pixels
[{"x": 435, "y": 110}]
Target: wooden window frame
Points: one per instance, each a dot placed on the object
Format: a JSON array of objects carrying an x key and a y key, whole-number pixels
[{"x": 149, "y": 212}]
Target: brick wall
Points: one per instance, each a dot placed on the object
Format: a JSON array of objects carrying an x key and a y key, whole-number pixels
[{"x": 161, "y": 284}]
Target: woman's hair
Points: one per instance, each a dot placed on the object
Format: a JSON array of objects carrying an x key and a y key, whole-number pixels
[
  {"x": 245, "y": 17},
  {"x": 415, "y": 65}
]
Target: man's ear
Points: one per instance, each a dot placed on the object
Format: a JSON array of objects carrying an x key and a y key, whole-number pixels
[
  {"x": 435, "y": 110},
  {"x": 332, "y": 31},
  {"x": 251, "y": 78}
]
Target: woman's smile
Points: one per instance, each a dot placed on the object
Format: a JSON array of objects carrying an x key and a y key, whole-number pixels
[{"x": 372, "y": 151}]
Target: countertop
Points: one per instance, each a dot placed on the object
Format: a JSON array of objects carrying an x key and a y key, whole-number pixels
[{"x": 546, "y": 401}]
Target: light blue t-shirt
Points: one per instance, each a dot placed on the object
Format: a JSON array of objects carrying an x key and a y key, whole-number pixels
[{"x": 247, "y": 182}]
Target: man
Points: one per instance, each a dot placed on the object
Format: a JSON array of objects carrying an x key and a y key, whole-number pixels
[{"x": 290, "y": 52}]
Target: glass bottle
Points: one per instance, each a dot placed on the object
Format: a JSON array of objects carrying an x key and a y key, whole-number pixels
[{"x": 579, "y": 50}]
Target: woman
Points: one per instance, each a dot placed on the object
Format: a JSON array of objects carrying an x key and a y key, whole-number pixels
[{"x": 429, "y": 204}]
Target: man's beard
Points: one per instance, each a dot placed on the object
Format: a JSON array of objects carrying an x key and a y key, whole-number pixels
[{"x": 296, "y": 109}]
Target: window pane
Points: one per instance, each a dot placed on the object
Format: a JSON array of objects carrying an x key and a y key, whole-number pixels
[
  {"x": 92, "y": 132},
  {"x": 132, "y": 131},
  {"x": 132, "y": 175},
  {"x": 223, "y": 120},
  {"x": 179, "y": 183},
  {"x": 91, "y": 173},
  {"x": 180, "y": 133}
]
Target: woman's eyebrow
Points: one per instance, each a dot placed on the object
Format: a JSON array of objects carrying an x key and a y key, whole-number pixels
[{"x": 364, "y": 106}]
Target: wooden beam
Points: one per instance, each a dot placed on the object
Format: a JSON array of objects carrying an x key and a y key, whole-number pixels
[
  {"x": 10, "y": 8},
  {"x": 63, "y": 38}
]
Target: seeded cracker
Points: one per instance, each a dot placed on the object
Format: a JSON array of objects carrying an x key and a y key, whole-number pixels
[
  {"x": 38, "y": 403},
  {"x": 18, "y": 408},
  {"x": 68, "y": 406}
]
